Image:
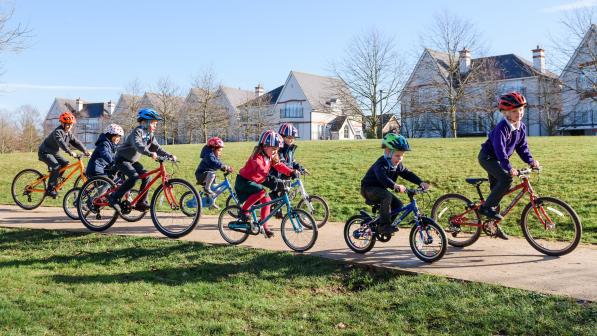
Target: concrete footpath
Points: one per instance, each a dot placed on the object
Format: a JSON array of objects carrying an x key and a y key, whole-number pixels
[{"x": 512, "y": 263}]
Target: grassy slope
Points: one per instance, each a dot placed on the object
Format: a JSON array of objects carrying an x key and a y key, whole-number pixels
[
  {"x": 56, "y": 283},
  {"x": 570, "y": 171}
]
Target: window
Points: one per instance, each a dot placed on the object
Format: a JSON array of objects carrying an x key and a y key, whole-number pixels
[
  {"x": 292, "y": 110},
  {"x": 346, "y": 135}
]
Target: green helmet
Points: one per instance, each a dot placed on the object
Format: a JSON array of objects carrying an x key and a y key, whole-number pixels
[{"x": 395, "y": 142}]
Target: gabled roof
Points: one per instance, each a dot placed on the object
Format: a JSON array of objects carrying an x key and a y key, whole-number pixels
[
  {"x": 268, "y": 98},
  {"x": 336, "y": 123},
  {"x": 89, "y": 110},
  {"x": 318, "y": 89},
  {"x": 583, "y": 42},
  {"x": 237, "y": 97},
  {"x": 125, "y": 100}
]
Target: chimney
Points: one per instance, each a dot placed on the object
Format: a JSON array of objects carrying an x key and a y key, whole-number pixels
[
  {"x": 539, "y": 59},
  {"x": 79, "y": 105},
  {"x": 464, "y": 62},
  {"x": 259, "y": 90},
  {"x": 110, "y": 107}
]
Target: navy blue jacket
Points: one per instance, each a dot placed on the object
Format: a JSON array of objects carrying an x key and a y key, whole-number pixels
[
  {"x": 209, "y": 161},
  {"x": 102, "y": 156},
  {"x": 287, "y": 156},
  {"x": 382, "y": 175},
  {"x": 503, "y": 140}
]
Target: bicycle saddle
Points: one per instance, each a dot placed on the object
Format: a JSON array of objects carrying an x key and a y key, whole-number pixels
[{"x": 475, "y": 181}]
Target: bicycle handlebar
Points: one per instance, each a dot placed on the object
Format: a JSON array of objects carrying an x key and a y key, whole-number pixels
[
  {"x": 526, "y": 172},
  {"x": 166, "y": 158}
]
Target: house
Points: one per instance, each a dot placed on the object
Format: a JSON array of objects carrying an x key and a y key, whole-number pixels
[
  {"x": 425, "y": 107},
  {"x": 387, "y": 123},
  {"x": 91, "y": 118},
  {"x": 258, "y": 113},
  {"x": 230, "y": 98},
  {"x": 340, "y": 128},
  {"x": 311, "y": 103},
  {"x": 125, "y": 112},
  {"x": 579, "y": 88}
]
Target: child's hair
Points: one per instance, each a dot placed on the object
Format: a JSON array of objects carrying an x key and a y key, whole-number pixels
[{"x": 259, "y": 150}]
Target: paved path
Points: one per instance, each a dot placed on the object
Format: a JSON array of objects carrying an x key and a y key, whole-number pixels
[{"x": 511, "y": 263}]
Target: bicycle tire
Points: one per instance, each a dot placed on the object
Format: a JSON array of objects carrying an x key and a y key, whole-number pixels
[
  {"x": 326, "y": 209},
  {"x": 524, "y": 222},
  {"x": 348, "y": 233},
  {"x": 84, "y": 213},
  {"x": 445, "y": 222},
  {"x": 425, "y": 223},
  {"x": 66, "y": 203},
  {"x": 156, "y": 222},
  {"x": 15, "y": 192},
  {"x": 231, "y": 212},
  {"x": 302, "y": 216}
]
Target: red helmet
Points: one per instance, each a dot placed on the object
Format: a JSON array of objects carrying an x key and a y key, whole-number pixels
[
  {"x": 67, "y": 118},
  {"x": 511, "y": 100},
  {"x": 215, "y": 142}
]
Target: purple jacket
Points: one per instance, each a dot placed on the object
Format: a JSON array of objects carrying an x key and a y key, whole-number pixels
[{"x": 502, "y": 141}]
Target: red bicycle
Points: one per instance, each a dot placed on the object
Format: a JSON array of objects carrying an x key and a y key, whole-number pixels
[
  {"x": 549, "y": 224},
  {"x": 167, "y": 208}
]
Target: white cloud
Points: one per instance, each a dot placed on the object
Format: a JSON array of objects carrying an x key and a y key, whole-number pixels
[
  {"x": 572, "y": 6},
  {"x": 17, "y": 86}
]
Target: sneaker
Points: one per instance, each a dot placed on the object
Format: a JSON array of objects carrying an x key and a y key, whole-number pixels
[
  {"x": 490, "y": 213},
  {"x": 141, "y": 206},
  {"x": 387, "y": 228},
  {"x": 52, "y": 193},
  {"x": 501, "y": 234},
  {"x": 268, "y": 233}
]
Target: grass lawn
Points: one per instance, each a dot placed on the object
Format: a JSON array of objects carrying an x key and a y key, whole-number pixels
[
  {"x": 57, "y": 283},
  {"x": 570, "y": 171}
]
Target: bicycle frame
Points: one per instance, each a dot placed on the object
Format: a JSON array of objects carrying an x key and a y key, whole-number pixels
[
  {"x": 280, "y": 202},
  {"x": 406, "y": 209},
  {"x": 79, "y": 167}
]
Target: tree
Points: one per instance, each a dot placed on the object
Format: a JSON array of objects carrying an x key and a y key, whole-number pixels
[
  {"x": 29, "y": 132},
  {"x": 372, "y": 75},
  {"x": 126, "y": 116},
  {"x": 454, "y": 37},
  {"x": 257, "y": 115},
  {"x": 9, "y": 137},
  {"x": 11, "y": 38},
  {"x": 168, "y": 104}
]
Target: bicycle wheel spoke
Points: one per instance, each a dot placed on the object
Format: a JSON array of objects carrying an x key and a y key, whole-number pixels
[
  {"x": 230, "y": 229},
  {"x": 28, "y": 189},
  {"x": 169, "y": 214},
  {"x": 299, "y": 230},
  {"x": 92, "y": 209},
  {"x": 452, "y": 213}
]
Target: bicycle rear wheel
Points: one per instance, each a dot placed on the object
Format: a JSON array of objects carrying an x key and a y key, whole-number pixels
[
  {"x": 69, "y": 203},
  {"x": 299, "y": 230},
  {"x": 168, "y": 214},
  {"x": 428, "y": 240},
  {"x": 358, "y": 234},
  {"x": 450, "y": 211},
  {"x": 320, "y": 212},
  {"x": 233, "y": 232},
  {"x": 27, "y": 194},
  {"x": 562, "y": 230},
  {"x": 92, "y": 204}
]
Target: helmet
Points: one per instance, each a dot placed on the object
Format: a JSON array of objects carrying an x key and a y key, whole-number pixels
[
  {"x": 395, "y": 142},
  {"x": 67, "y": 118},
  {"x": 148, "y": 114},
  {"x": 287, "y": 130},
  {"x": 215, "y": 142},
  {"x": 511, "y": 100},
  {"x": 114, "y": 129},
  {"x": 270, "y": 138}
]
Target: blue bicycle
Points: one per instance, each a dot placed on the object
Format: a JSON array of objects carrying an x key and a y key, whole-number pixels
[
  {"x": 427, "y": 239},
  {"x": 298, "y": 228},
  {"x": 209, "y": 202}
]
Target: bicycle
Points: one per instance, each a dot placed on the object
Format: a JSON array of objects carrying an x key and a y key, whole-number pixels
[
  {"x": 544, "y": 220},
  {"x": 69, "y": 204},
  {"x": 209, "y": 202},
  {"x": 296, "y": 224},
  {"x": 427, "y": 239},
  {"x": 92, "y": 203},
  {"x": 29, "y": 185}
]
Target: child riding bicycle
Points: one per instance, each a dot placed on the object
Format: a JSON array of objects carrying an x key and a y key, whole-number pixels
[
  {"x": 60, "y": 138},
  {"x": 140, "y": 141},
  {"x": 250, "y": 179},
  {"x": 105, "y": 150},
  {"x": 210, "y": 162},
  {"x": 383, "y": 175},
  {"x": 509, "y": 135}
]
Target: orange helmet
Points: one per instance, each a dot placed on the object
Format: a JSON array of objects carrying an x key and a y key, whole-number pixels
[{"x": 67, "y": 118}]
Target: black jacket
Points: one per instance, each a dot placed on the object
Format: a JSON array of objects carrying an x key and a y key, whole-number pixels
[{"x": 382, "y": 175}]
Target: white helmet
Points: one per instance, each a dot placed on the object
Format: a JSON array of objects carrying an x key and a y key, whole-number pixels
[{"x": 114, "y": 129}]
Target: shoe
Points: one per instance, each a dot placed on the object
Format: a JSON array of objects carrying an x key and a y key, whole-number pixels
[
  {"x": 52, "y": 193},
  {"x": 501, "y": 234},
  {"x": 142, "y": 206},
  {"x": 268, "y": 233},
  {"x": 387, "y": 228},
  {"x": 490, "y": 213}
]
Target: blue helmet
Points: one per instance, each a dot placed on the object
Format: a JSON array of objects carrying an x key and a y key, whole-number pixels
[
  {"x": 270, "y": 138},
  {"x": 287, "y": 130},
  {"x": 148, "y": 114}
]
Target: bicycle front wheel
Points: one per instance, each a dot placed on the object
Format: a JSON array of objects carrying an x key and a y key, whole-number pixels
[
  {"x": 92, "y": 204},
  {"x": 552, "y": 227},
  {"x": 28, "y": 189},
  {"x": 452, "y": 212},
  {"x": 299, "y": 230},
  {"x": 230, "y": 229},
  {"x": 168, "y": 214},
  {"x": 428, "y": 240},
  {"x": 317, "y": 207},
  {"x": 69, "y": 203}
]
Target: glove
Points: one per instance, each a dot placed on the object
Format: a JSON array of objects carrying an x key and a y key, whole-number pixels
[{"x": 295, "y": 173}]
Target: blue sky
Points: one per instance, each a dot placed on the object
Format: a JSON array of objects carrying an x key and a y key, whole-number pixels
[{"x": 93, "y": 49}]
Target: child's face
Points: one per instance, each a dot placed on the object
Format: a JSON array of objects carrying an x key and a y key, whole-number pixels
[
  {"x": 218, "y": 151},
  {"x": 396, "y": 157},
  {"x": 516, "y": 115},
  {"x": 289, "y": 140},
  {"x": 116, "y": 139},
  {"x": 270, "y": 151},
  {"x": 67, "y": 127},
  {"x": 153, "y": 124}
]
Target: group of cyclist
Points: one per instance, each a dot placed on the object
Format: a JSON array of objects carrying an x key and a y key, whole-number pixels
[{"x": 272, "y": 159}]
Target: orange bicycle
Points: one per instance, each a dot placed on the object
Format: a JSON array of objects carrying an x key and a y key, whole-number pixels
[
  {"x": 549, "y": 224},
  {"x": 29, "y": 185}
]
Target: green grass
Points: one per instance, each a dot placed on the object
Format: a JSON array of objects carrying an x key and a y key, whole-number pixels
[
  {"x": 337, "y": 167},
  {"x": 57, "y": 283}
]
